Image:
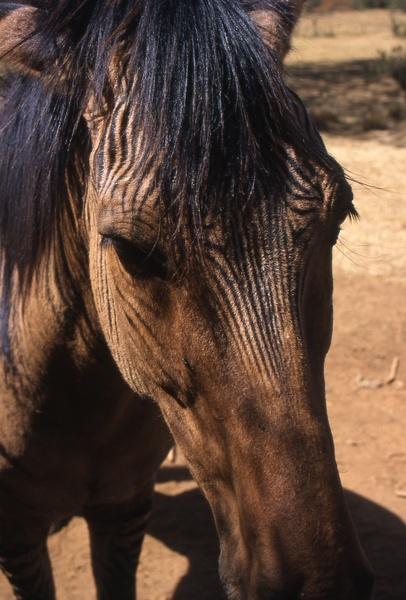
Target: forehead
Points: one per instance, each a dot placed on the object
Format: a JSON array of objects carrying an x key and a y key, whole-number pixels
[
  {"x": 143, "y": 201},
  {"x": 139, "y": 158},
  {"x": 174, "y": 152}
]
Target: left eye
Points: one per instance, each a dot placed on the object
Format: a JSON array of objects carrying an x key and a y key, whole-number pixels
[{"x": 137, "y": 261}]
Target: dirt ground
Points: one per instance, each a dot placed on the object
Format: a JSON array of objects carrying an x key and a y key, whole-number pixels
[{"x": 335, "y": 66}]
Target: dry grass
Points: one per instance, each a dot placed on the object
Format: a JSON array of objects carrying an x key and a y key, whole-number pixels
[
  {"x": 345, "y": 81},
  {"x": 343, "y": 66}
]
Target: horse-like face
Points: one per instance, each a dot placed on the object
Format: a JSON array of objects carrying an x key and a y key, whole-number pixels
[{"x": 233, "y": 351}]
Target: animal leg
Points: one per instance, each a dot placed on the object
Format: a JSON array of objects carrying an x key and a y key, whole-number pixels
[
  {"x": 116, "y": 536},
  {"x": 28, "y": 569}
]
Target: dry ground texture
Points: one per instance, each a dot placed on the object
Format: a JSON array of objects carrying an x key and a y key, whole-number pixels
[{"x": 339, "y": 67}]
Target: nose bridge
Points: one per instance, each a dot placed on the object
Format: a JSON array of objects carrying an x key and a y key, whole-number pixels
[
  {"x": 261, "y": 325},
  {"x": 286, "y": 507},
  {"x": 285, "y": 504},
  {"x": 257, "y": 294},
  {"x": 280, "y": 441},
  {"x": 267, "y": 356},
  {"x": 283, "y": 520}
]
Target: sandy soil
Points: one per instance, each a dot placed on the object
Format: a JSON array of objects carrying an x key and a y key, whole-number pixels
[{"x": 367, "y": 413}]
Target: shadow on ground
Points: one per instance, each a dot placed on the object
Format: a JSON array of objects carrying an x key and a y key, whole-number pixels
[
  {"x": 185, "y": 525},
  {"x": 383, "y": 536}
]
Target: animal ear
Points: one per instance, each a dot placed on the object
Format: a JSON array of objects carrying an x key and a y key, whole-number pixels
[
  {"x": 21, "y": 44},
  {"x": 276, "y": 20}
]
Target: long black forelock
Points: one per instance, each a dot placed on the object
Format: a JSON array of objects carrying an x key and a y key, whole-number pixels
[
  {"x": 217, "y": 111},
  {"x": 210, "y": 103}
]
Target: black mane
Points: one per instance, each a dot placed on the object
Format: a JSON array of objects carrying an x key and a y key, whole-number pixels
[{"x": 210, "y": 100}]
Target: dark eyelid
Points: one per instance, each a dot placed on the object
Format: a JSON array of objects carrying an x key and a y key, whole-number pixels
[
  {"x": 352, "y": 213},
  {"x": 349, "y": 212},
  {"x": 139, "y": 261}
]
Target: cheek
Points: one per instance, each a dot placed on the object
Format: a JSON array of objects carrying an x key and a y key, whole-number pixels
[
  {"x": 121, "y": 320},
  {"x": 317, "y": 307},
  {"x": 135, "y": 320}
]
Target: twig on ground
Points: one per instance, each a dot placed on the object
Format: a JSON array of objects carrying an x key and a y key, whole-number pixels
[
  {"x": 393, "y": 372},
  {"x": 400, "y": 492},
  {"x": 374, "y": 384}
]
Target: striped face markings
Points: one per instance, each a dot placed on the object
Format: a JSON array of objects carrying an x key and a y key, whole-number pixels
[{"x": 248, "y": 287}]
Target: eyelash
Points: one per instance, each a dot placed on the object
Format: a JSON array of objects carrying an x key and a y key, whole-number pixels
[{"x": 350, "y": 213}]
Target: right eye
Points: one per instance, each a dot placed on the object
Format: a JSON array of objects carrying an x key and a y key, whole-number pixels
[
  {"x": 350, "y": 212},
  {"x": 137, "y": 261}
]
